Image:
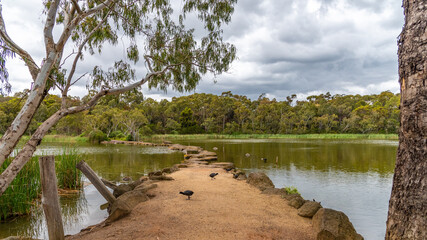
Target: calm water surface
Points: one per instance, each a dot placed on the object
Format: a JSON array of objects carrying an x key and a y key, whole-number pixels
[{"x": 353, "y": 176}]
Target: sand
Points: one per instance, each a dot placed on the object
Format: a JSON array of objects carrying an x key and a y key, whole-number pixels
[{"x": 223, "y": 208}]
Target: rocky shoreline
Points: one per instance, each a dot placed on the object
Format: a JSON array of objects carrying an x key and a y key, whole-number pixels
[{"x": 326, "y": 223}]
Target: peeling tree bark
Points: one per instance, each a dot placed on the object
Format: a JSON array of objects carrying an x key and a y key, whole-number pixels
[{"x": 407, "y": 215}]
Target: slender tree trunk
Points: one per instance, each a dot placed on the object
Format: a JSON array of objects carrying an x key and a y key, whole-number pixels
[
  {"x": 407, "y": 214},
  {"x": 27, "y": 151},
  {"x": 21, "y": 122}
]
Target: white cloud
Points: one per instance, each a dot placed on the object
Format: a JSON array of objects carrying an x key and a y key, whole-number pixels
[{"x": 284, "y": 47}]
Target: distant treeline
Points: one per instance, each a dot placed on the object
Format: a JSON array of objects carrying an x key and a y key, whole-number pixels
[{"x": 131, "y": 116}]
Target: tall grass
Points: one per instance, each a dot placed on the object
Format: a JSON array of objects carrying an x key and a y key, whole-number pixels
[
  {"x": 160, "y": 138},
  {"x": 69, "y": 177},
  {"x": 20, "y": 197}
]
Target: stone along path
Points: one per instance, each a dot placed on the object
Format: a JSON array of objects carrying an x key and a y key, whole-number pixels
[{"x": 222, "y": 208}]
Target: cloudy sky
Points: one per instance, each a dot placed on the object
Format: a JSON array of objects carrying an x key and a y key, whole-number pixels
[{"x": 284, "y": 47}]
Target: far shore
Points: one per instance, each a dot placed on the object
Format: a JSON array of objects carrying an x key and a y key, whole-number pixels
[{"x": 160, "y": 138}]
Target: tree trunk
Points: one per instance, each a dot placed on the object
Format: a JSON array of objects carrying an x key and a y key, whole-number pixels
[
  {"x": 27, "y": 151},
  {"x": 21, "y": 122},
  {"x": 407, "y": 214}
]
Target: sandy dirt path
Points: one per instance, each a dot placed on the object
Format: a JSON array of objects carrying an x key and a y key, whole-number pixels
[{"x": 223, "y": 208}]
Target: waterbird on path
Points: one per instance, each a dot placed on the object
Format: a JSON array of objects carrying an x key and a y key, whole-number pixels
[
  {"x": 212, "y": 175},
  {"x": 229, "y": 169},
  {"x": 264, "y": 159},
  {"x": 187, "y": 193}
]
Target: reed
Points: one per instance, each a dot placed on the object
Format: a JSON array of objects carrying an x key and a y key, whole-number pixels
[
  {"x": 69, "y": 177},
  {"x": 20, "y": 197}
]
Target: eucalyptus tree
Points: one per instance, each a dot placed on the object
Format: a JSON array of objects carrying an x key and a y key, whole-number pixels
[
  {"x": 407, "y": 213},
  {"x": 154, "y": 34}
]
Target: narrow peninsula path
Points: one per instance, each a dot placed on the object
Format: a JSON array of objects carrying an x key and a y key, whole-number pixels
[{"x": 222, "y": 208}]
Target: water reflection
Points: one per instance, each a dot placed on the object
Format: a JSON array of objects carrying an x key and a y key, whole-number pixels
[
  {"x": 112, "y": 162},
  {"x": 353, "y": 176}
]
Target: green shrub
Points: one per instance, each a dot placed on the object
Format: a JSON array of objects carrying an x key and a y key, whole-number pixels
[
  {"x": 97, "y": 136},
  {"x": 291, "y": 190}
]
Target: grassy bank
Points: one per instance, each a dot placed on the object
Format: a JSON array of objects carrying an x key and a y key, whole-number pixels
[
  {"x": 170, "y": 137},
  {"x": 20, "y": 197},
  {"x": 60, "y": 138}
]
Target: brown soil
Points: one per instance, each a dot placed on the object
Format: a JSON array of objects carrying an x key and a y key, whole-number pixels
[{"x": 223, "y": 208}]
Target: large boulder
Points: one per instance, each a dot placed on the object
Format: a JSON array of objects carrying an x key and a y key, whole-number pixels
[
  {"x": 309, "y": 208},
  {"x": 124, "y": 205},
  {"x": 118, "y": 210},
  {"x": 296, "y": 202},
  {"x": 143, "y": 188},
  {"x": 330, "y": 224},
  {"x": 122, "y": 188},
  {"x": 260, "y": 180}
]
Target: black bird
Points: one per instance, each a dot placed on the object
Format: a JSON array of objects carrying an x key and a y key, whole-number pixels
[
  {"x": 212, "y": 175},
  {"x": 264, "y": 159},
  {"x": 187, "y": 193},
  {"x": 229, "y": 169},
  {"x": 235, "y": 175}
]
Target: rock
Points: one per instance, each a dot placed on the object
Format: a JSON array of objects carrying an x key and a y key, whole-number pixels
[
  {"x": 290, "y": 196},
  {"x": 143, "y": 178},
  {"x": 167, "y": 170},
  {"x": 181, "y": 165},
  {"x": 296, "y": 202},
  {"x": 135, "y": 183},
  {"x": 174, "y": 169},
  {"x": 260, "y": 180},
  {"x": 208, "y": 154},
  {"x": 124, "y": 205},
  {"x": 242, "y": 177},
  {"x": 167, "y": 142},
  {"x": 145, "y": 187},
  {"x": 178, "y": 147},
  {"x": 207, "y": 159},
  {"x": 118, "y": 210},
  {"x": 274, "y": 191},
  {"x": 133, "y": 198},
  {"x": 161, "y": 178},
  {"x": 332, "y": 224},
  {"x": 192, "y": 149},
  {"x": 122, "y": 188},
  {"x": 309, "y": 209},
  {"x": 155, "y": 173}
]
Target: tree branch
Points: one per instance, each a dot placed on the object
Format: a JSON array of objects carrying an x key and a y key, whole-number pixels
[
  {"x": 50, "y": 22},
  {"x": 76, "y": 6},
  {"x": 32, "y": 66},
  {"x": 79, "y": 53}
]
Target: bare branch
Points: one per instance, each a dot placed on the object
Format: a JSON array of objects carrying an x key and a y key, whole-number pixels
[
  {"x": 32, "y": 66},
  {"x": 79, "y": 53},
  {"x": 78, "y": 79},
  {"x": 76, "y": 5}
]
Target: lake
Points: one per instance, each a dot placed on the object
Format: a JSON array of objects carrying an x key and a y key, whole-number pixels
[{"x": 353, "y": 176}]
